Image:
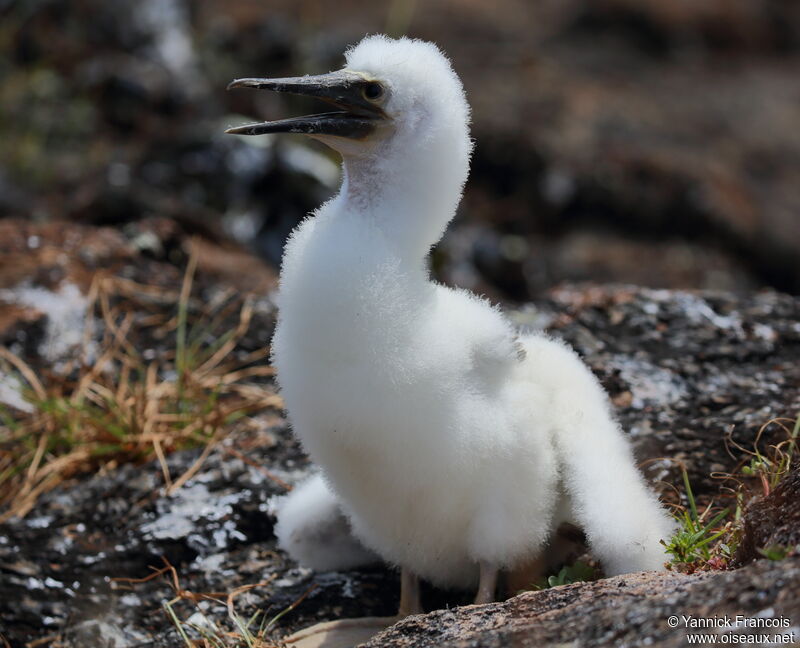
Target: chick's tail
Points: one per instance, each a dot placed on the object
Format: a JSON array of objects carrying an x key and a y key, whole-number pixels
[{"x": 623, "y": 520}]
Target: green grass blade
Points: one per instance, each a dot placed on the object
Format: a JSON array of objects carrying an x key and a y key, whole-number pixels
[
  {"x": 689, "y": 493},
  {"x": 177, "y": 623},
  {"x": 793, "y": 438}
]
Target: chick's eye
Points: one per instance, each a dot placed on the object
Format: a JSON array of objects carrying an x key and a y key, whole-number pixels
[{"x": 373, "y": 90}]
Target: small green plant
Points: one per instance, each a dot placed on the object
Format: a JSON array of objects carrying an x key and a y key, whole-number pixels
[
  {"x": 777, "y": 552},
  {"x": 706, "y": 541},
  {"x": 578, "y": 572},
  {"x": 692, "y": 543},
  {"x": 770, "y": 469}
]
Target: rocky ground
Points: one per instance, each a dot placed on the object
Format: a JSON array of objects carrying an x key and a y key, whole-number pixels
[
  {"x": 692, "y": 374},
  {"x": 630, "y": 610}
]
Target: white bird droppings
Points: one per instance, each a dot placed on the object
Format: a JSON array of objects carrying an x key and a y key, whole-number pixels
[{"x": 65, "y": 309}]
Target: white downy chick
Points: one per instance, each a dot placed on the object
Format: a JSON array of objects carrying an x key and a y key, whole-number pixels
[{"x": 454, "y": 446}]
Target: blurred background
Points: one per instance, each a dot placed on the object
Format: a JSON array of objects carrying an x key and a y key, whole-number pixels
[{"x": 636, "y": 141}]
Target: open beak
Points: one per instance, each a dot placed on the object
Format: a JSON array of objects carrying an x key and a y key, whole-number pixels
[{"x": 357, "y": 117}]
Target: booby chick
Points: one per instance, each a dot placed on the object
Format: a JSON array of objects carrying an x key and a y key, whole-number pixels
[{"x": 454, "y": 445}]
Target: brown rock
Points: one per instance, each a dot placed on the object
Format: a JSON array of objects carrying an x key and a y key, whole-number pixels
[
  {"x": 772, "y": 521},
  {"x": 631, "y": 610}
]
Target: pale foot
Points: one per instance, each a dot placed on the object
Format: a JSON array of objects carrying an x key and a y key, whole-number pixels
[{"x": 344, "y": 633}]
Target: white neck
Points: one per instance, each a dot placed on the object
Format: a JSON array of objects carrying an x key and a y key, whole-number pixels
[{"x": 409, "y": 191}]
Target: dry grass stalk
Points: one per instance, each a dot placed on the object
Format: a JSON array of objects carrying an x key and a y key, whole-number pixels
[
  {"x": 123, "y": 408},
  {"x": 210, "y": 634}
]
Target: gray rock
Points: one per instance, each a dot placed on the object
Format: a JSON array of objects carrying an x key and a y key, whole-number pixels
[{"x": 631, "y": 610}]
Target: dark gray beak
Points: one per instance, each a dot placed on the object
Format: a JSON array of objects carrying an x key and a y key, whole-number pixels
[{"x": 357, "y": 97}]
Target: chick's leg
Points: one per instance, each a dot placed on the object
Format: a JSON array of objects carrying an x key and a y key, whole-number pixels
[
  {"x": 487, "y": 584},
  {"x": 409, "y": 594}
]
